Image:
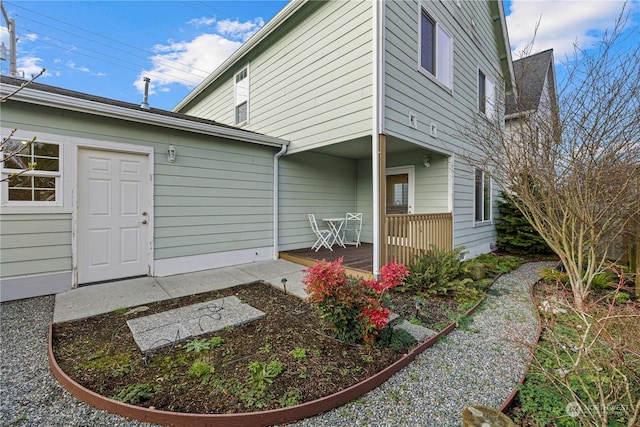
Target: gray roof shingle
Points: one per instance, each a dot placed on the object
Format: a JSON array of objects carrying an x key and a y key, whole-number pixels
[{"x": 530, "y": 74}]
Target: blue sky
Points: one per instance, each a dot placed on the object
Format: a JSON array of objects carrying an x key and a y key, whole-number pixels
[{"x": 106, "y": 47}]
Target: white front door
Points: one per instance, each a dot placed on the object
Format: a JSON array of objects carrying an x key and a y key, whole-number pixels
[{"x": 113, "y": 223}]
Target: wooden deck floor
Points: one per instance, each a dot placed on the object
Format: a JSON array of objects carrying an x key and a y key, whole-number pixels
[{"x": 358, "y": 259}]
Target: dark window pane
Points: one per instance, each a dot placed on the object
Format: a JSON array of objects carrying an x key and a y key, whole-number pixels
[
  {"x": 21, "y": 181},
  {"x": 17, "y": 162},
  {"x": 487, "y": 198},
  {"x": 479, "y": 199},
  {"x": 20, "y": 195},
  {"x": 241, "y": 113},
  {"x": 427, "y": 44},
  {"x": 48, "y": 150},
  {"x": 11, "y": 158},
  {"x": 42, "y": 182},
  {"x": 44, "y": 195},
  {"x": 482, "y": 91},
  {"x": 47, "y": 164}
]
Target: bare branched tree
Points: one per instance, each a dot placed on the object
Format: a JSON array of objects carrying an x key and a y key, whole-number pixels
[{"x": 573, "y": 167}]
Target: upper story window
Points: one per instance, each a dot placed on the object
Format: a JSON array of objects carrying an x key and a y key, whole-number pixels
[
  {"x": 436, "y": 49},
  {"x": 482, "y": 196},
  {"x": 242, "y": 96},
  {"x": 486, "y": 95},
  {"x": 33, "y": 175}
]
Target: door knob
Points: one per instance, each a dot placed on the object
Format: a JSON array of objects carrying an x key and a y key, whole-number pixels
[
  {"x": 144, "y": 213},
  {"x": 144, "y": 221}
]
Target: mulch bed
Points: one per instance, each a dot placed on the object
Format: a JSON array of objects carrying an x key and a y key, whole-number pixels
[{"x": 100, "y": 354}]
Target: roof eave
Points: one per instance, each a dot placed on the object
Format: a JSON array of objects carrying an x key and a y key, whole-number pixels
[
  {"x": 506, "y": 62},
  {"x": 139, "y": 116},
  {"x": 519, "y": 114},
  {"x": 273, "y": 24}
]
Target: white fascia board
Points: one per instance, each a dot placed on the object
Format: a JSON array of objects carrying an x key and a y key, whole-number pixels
[
  {"x": 507, "y": 47},
  {"x": 260, "y": 35},
  {"x": 145, "y": 117},
  {"x": 519, "y": 114}
]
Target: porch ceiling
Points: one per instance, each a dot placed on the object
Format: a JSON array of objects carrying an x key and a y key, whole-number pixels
[{"x": 360, "y": 148}]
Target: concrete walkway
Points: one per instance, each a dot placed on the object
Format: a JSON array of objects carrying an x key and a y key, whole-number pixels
[{"x": 102, "y": 298}]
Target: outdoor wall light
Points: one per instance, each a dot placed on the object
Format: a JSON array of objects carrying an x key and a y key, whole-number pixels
[
  {"x": 426, "y": 160},
  {"x": 171, "y": 154}
]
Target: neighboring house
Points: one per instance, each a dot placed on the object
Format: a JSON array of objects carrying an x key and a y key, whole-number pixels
[
  {"x": 104, "y": 201},
  {"x": 371, "y": 96},
  {"x": 537, "y": 99}
]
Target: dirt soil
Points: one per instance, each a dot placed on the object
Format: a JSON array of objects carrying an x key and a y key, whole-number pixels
[{"x": 100, "y": 354}]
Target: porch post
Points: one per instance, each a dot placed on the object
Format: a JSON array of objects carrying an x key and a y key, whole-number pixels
[{"x": 382, "y": 197}]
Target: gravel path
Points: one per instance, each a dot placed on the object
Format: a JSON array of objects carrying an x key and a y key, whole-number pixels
[{"x": 476, "y": 364}]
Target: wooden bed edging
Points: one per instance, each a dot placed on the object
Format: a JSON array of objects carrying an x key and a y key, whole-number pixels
[
  {"x": 253, "y": 419},
  {"x": 262, "y": 418}
]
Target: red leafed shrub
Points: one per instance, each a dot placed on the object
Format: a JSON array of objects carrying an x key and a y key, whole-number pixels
[{"x": 353, "y": 306}]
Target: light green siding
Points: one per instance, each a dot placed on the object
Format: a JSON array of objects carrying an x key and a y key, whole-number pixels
[
  {"x": 217, "y": 196},
  {"x": 34, "y": 244},
  {"x": 407, "y": 89},
  {"x": 430, "y": 194},
  {"x": 310, "y": 84},
  {"x": 313, "y": 183},
  {"x": 364, "y": 199}
]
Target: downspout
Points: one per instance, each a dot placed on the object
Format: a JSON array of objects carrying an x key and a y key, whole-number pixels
[
  {"x": 276, "y": 158},
  {"x": 376, "y": 129}
]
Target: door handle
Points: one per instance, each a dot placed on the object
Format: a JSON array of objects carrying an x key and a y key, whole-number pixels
[{"x": 144, "y": 221}]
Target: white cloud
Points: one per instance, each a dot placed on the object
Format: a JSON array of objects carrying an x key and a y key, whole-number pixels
[
  {"x": 239, "y": 30},
  {"x": 75, "y": 67},
  {"x": 4, "y": 35},
  {"x": 84, "y": 69},
  {"x": 31, "y": 37},
  {"x": 186, "y": 63},
  {"x": 562, "y": 23},
  {"x": 197, "y": 22},
  {"x": 29, "y": 65}
]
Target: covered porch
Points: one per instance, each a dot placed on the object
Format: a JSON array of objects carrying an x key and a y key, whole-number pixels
[
  {"x": 407, "y": 236},
  {"x": 405, "y": 198}
]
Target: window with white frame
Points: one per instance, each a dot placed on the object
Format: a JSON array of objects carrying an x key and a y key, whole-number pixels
[
  {"x": 482, "y": 196},
  {"x": 486, "y": 95},
  {"x": 436, "y": 49},
  {"x": 242, "y": 96},
  {"x": 31, "y": 174}
]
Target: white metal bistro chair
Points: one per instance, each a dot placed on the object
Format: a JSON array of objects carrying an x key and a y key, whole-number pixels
[
  {"x": 352, "y": 228},
  {"x": 323, "y": 235}
]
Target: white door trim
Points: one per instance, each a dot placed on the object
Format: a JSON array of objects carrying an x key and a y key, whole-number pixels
[
  {"x": 115, "y": 147},
  {"x": 410, "y": 170}
]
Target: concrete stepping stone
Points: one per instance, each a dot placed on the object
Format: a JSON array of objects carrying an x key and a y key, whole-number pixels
[
  {"x": 169, "y": 327},
  {"x": 420, "y": 333}
]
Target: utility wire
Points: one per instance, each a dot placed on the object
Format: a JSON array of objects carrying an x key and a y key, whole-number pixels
[
  {"x": 119, "y": 43},
  {"x": 81, "y": 50},
  {"x": 119, "y": 62}
]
